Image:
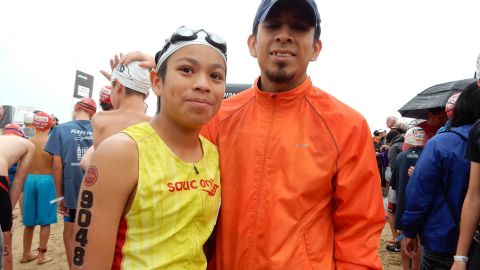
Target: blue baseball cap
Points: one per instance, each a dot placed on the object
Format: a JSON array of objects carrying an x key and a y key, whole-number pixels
[{"x": 266, "y": 6}]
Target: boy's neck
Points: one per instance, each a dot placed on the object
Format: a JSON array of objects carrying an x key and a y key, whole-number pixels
[{"x": 184, "y": 142}]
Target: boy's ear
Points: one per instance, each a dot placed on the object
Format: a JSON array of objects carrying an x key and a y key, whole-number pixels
[{"x": 156, "y": 82}]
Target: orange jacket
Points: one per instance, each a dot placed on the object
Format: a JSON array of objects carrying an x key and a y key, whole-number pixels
[{"x": 300, "y": 184}]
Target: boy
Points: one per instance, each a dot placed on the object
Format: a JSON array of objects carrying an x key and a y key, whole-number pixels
[{"x": 151, "y": 194}]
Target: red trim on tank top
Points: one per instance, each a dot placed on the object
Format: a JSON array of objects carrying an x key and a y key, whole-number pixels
[
  {"x": 6, "y": 188},
  {"x": 121, "y": 237}
]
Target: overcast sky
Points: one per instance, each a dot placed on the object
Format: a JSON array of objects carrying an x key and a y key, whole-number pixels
[{"x": 377, "y": 54}]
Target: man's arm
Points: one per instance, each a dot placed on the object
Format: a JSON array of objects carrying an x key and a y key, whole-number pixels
[
  {"x": 359, "y": 213},
  {"x": 106, "y": 187},
  {"x": 58, "y": 179},
  {"x": 22, "y": 171}
]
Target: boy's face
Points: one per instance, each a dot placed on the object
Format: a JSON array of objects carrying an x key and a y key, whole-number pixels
[
  {"x": 194, "y": 85},
  {"x": 285, "y": 44}
]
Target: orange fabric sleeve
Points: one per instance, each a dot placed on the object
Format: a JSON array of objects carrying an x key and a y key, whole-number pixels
[
  {"x": 211, "y": 129},
  {"x": 359, "y": 216}
]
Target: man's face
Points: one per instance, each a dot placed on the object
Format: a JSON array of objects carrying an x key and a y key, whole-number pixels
[
  {"x": 438, "y": 119},
  {"x": 284, "y": 45},
  {"x": 193, "y": 89},
  {"x": 390, "y": 122}
]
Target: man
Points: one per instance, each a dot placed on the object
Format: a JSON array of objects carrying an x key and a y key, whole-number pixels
[
  {"x": 38, "y": 192},
  {"x": 391, "y": 121},
  {"x": 131, "y": 84},
  {"x": 436, "y": 119},
  {"x": 14, "y": 148},
  {"x": 28, "y": 121},
  {"x": 67, "y": 143},
  {"x": 151, "y": 194},
  {"x": 300, "y": 186}
]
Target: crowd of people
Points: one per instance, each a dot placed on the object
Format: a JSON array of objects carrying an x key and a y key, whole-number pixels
[
  {"x": 427, "y": 170},
  {"x": 275, "y": 177}
]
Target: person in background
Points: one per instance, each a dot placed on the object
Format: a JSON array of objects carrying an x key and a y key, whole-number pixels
[
  {"x": 449, "y": 106},
  {"x": 14, "y": 148},
  {"x": 395, "y": 137},
  {"x": 68, "y": 142},
  {"x": 414, "y": 140},
  {"x": 436, "y": 119},
  {"x": 391, "y": 121},
  {"x": 470, "y": 216},
  {"x": 437, "y": 188},
  {"x": 105, "y": 100},
  {"x": 55, "y": 122},
  {"x": 130, "y": 86},
  {"x": 38, "y": 192},
  {"x": 28, "y": 122}
]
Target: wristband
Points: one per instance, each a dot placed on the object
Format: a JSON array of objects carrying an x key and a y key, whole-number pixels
[
  {"x": 460, "y": 258},
  {"x": 57, "y": 200}
]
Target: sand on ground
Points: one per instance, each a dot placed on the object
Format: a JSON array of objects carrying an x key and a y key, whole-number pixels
[{"x": 56, "y": 250}]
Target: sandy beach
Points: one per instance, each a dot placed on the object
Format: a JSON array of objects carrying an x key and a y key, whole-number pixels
[{"x": 56, "y": 250}]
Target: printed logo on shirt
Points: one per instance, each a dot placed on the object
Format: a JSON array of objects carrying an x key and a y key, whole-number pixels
[
  {"x": 208, "y": 186},
  {"x": 81, "y": 135},
  {"x": 302, "y": 145}
]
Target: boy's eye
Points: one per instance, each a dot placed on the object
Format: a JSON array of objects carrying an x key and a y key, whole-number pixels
[
  {"x": 186, "y": 69},
  {"x": 217, "y": 76}
]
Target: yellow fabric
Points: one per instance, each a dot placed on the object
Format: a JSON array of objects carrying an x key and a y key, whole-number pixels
[{"x": 174, "y": 209}]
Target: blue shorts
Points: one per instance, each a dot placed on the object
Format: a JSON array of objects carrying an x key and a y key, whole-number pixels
[{"x": 38, "y": 191}]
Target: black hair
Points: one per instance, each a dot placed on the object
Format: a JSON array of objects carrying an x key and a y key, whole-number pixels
[
  {"x": 129, "y": 91},
  {"x": 106, "y": 106},
  {"x": 467, "y": 108},
  {"x": 436, "y": 110},
  {"x": 390, "y": 135},
  {"x": 162, "y": 73}
]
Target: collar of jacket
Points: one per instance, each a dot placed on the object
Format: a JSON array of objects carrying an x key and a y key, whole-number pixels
[{"x": 285, "y": 98}]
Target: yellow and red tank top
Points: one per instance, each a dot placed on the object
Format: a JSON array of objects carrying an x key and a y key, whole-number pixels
[{"x": 174, "y": 209}]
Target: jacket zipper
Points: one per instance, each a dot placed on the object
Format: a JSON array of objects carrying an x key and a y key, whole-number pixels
[{"x": 267, "y": 144}]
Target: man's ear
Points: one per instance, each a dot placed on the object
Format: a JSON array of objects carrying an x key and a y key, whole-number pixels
[
  {"x": 317, "y": 47},
  {"x": 156, "y": 82},
  {"x": 252, "y": 41}
]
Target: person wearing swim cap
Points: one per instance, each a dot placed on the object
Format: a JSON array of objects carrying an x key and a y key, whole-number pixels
[
  {"x": 105, "y": 101},
  {"x": 14, "y": 147},
  {"x": 38, "y": 191},
  {"x": 28, "y": 122},
  {"x": 152, "y": 192},
  {"x": 67, "y": 143},
  {"x": 130, "y": 86},
  {"x": 13, "y": 129}
]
